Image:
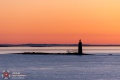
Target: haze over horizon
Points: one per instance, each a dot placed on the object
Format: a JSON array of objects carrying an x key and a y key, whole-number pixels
[{"x": 63, "y": 21}]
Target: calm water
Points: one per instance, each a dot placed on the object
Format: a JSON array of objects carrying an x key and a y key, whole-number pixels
[
  {"x": 62, "y": 67},
  {"x": 86, "y": 49}
]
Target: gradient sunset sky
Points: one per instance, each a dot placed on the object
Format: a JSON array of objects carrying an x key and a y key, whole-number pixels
[{"x": 60, "y": 21}]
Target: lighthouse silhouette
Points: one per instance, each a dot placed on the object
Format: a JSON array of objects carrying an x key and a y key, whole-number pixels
[{"x": 80, "y": 48}]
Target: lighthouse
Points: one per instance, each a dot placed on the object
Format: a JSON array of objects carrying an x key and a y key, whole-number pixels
[{"x": 80, "y": 47}]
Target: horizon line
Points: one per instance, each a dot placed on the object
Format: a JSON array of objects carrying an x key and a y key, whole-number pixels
[{"x": 59, "y": 44}]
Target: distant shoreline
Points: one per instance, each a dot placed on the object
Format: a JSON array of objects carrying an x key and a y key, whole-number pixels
[
  {"x": 41, "y": 53},
  {"x": 49, "y": 45}
]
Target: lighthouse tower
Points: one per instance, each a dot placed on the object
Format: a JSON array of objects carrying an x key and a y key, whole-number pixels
[{"x": 80, "y": 48}]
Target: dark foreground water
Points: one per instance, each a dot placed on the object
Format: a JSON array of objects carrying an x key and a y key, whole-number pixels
[{"x": 61, "y": 67}]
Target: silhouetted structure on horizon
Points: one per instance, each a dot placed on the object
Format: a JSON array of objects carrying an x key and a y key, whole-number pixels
[{"x": 80, "y": 48}]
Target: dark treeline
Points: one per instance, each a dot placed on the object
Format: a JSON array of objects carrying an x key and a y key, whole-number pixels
[
  {"x": 47, "y": 45},
  {"x": 35, "y": 45}
]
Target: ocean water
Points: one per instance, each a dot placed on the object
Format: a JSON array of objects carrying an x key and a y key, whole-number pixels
[
  {"x": 86, "y": 49},
  {"x": 100, "y": 66},
  {"x": 61, "y": 67}
]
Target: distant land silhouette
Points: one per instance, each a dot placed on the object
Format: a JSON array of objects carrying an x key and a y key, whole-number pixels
[{"x": 50, "y": 45}]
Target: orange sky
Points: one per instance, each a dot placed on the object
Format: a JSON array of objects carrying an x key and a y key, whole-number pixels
[{"x": 60, "y": 21}]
